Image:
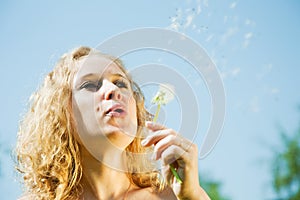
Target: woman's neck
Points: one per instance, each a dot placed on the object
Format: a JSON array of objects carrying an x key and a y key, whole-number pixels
[{"x": 101, "y": 181}]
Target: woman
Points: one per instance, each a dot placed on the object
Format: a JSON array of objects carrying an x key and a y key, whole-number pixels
[{"x": 82, "y": 138}]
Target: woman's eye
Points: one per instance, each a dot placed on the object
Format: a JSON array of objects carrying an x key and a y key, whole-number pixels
[
  {"x": 90, "y": 86},
  {"x": 121, "y": 84}
]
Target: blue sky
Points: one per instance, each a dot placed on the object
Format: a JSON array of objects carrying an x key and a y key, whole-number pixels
[{"x": 254, "y": 44}]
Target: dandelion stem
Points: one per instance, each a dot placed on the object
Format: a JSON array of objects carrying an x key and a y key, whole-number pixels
[
  {"x": 175, "y": 174},
  {"x": 156, "y": 113}
]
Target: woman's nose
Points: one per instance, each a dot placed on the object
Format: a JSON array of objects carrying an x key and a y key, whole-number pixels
[
  {"x": 111, "y": 91},
  {"x": 113, "y": 95}
]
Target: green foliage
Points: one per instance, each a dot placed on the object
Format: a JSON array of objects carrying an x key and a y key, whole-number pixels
[
  {"x": 286, "y": 167},
  {"x": 213, "y": 188}
]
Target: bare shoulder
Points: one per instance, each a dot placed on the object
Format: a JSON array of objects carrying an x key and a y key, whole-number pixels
[{"x": 150, "y": 194}]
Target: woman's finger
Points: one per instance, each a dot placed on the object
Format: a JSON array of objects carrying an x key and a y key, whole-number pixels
[
  {"x": 154, "y": 126},
  {"x": 173, "y": 153},
  {"x": 157, "y": 136},
  {"x": 169, "y": 140}
]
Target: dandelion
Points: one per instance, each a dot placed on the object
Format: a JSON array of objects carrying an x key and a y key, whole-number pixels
[{"x": 164, "y": 95}]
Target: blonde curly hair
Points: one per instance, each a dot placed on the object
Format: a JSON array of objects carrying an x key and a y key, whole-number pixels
[{"x": 47, "y": 153}]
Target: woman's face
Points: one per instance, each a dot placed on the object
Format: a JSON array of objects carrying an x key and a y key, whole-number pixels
[{"x": 103, "y": 103}]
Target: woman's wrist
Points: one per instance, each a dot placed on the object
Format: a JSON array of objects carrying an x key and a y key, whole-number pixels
[
  {"x": 197, "y": 194},
  {"x": 201, "y": 194}
]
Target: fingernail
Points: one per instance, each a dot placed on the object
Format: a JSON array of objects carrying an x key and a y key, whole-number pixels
[
  {"x": 143, "y": 142},
  {"x": 149, "y": 123}
]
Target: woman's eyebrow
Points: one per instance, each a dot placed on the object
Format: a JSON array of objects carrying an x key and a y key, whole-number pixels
[
  {"x": 98, "y": 76},
  {"x": 90, "y": 76},
  {"x": 95, "y": 76},
  {"x": 119, "y": 75}
]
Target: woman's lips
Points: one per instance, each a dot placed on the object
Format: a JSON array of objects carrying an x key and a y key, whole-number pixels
[{"x": 116, "y": 110}]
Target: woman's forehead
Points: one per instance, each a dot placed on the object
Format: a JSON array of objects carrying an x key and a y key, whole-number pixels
[{"x": 97, "y": 64}]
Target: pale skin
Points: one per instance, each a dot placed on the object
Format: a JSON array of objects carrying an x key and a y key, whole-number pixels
[{"x": 111, "y": 112}]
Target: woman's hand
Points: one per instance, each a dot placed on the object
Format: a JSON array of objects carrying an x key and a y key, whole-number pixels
[{"x": 181, "y": 154}]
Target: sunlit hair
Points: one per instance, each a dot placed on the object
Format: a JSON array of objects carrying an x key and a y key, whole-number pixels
[{"x": 48, "y": 155}]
